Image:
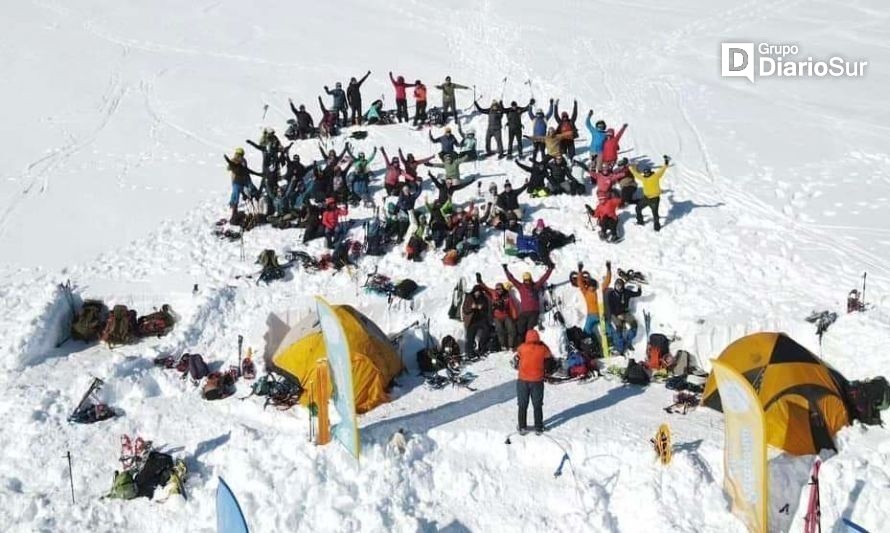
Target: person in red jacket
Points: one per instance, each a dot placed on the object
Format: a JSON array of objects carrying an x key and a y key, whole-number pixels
[
  {"x": 606, "y": 214},
  {"x": 529, "y": 299},
  {"x": 330, "y": 220},
  {"x": 532, "y": 356},
  {"x": 504, "y": 313},
  {"x": 611, "y": 146},
  {"x": 393, "y": 173},
  {"x": 401, "y": 99},
  {"x": 412, "y": 164},
  {"x": 419, "y": 103}
]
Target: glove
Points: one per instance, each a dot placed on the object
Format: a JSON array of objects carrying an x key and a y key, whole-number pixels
[
  {"x": 580, "y": 265},
  {"x": 551, "y": 100},
  {"x": 590, "y": 113},
  {"x": 478, "y": 278},
  {"x": 609, "y": 265},
  {"x": 504, "y": 266},
  {"x": 667, "y": 160},
  {"x": 532, "y": 101},
  {"x": 515, "y": 362}
]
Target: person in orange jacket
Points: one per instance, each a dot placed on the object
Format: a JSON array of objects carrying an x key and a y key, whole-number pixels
[
  {"x": 590, "y": 292},
  {"x": 531, "y": 361}
]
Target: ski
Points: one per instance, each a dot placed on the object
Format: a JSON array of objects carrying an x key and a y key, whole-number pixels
[{"x": 812, "y": 521}]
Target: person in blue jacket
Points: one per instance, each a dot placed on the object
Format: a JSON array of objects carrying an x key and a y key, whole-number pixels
[
  {"x": 597, "y": 138},
  {"x": 447, "y": 142},
  {"x": 539, "y": 127}
]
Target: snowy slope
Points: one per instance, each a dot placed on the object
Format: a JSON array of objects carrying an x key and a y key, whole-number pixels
[{"x": 116, "y": 117}]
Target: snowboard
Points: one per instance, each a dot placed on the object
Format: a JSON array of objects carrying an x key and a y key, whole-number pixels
[
  {"x": 229, "y": 518},
  {"x": 662, "y": 444}
]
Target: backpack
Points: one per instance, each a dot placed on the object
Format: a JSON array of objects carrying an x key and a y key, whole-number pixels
[
  {"x": 156, "y": 324},
  {"x": 271, "y": 270},
  {"x": 867, "y": 399},
  {"x": 375, "y": 239},
  {"x": 89, "y": 321},
  {"x": 450, "y": 348},
  {"x": 577, "y": 365},
  {"x": 636, "y": 373},
  {"x": 197, "y": 368},
  {"x": 218, "y": 386},
  {"x": 659, "y": 347},
  {"x": 120, "y": 327},
  {"x": 586, "y": 344},
  {"x": 155, "y": 472},
  {"x": 405, "y": 289},
  {"x": 429, "y": 360},
  {"x": 122, "y": 486}
]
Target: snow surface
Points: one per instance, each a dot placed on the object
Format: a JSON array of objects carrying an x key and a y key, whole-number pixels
[{"x": 115, "y": 119}]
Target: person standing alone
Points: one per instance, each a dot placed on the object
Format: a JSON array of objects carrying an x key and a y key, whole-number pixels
[{"x": 532, "y": 358}]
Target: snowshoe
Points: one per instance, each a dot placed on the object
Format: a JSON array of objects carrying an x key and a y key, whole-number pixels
[{"x": 662, "y": 444}]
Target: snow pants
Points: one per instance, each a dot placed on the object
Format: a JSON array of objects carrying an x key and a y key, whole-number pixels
[
  {"x": 498, "y": 138},
  {"x": 479, "y": 330},
  {"x": 505, "y": 329},
  {"x": 533, "y": 390},
  {"x": 652, "y": 204},
  {"x": 526, "y": 321},
  {"x": 402, "y": 109}
]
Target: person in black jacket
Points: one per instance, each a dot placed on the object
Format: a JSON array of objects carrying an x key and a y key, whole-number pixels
[
  {"x": 514, "y": 126},
  {"x": 508, "y": 200},
  {"x": 619, "y": 310},
  {"x": 495, "y": 124},
  {"x": 339, "y": 104},
  {"x": 354, "y": 97},
  {"x": 447, "y": 188},
  {"x": 305, "y": 127},
  {"x": 537, "y": 176}
]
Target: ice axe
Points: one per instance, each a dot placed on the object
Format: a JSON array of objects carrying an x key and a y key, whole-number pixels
[
  {"x": 531, "y": 93},
  {"x": 503, "y": 87}
]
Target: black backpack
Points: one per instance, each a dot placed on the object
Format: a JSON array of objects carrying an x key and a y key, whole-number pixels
[
  {"x": 89, "y": 321},
  {"x": 586, "y": 344},
  {"x": 197, "y": 368},
  {"x": 867, "y": 399},
  {"x": 636, "y": 374},
  {"x": 429, "y": 360},
  {"x": 405, "y": 289},
  {"x": 155, "y": 472}
]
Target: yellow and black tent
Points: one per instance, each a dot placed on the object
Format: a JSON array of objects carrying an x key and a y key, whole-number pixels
[
  {"x": 802, "y": 397},
  {"x": 299, "y": 351}
]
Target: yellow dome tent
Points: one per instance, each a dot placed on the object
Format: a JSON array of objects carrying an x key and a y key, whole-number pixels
[
  {"x": 300, "y": 352},
  {"x": 802, "y": 397}
]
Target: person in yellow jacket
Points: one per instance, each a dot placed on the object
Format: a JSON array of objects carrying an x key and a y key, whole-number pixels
[
  {"x": 552, "y": 142},
  {"x": 590, "y": 291},
  {"x": 651, "y": 182}
]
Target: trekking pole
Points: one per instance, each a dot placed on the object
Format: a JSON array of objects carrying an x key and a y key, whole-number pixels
[
  {"x": 503, "y": 87},
  {"x": 265, "y": 109},
  {"x": 240, "y": 343},
  {"x": 70, "y": 475},
  {"x": 864, "y": 274}
]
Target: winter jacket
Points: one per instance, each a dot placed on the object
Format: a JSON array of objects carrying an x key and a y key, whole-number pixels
[
  {"x": 604, "y": 183},
  {"x": 420, "y": 93},
  {"x": 400, "y": 87},
  {"x": 353, "y": 91},
  {"x": 448, "y": 89},
  {"x": 331, "y": 217},
  {"x": 339, "y": 98},
  {"x": 610, "y": 145},
  {"x": 446, "y": 141},
  {"x": 552, "y": 142},
  {"x": 474, "y": 310},
  {"x": 651, "y": 184},
  {"x": 452, "y": 167},
  {"x": 559, "y": 172},
  {"x": 495, "y": 116},
  {"x": 597, "y": 137},
  {"x": 537, "y": 174},
  {"x": 607, "y": 209},
  {"x": 590, "y": 294},
  {"x": 509, "y": 200},
  {"x": 411, "y": 166},
  {"x": 532, "y": 356},
  {"x": 502, "y": 305},
  {"x": 529, "y": 299},
  {"x": 239, "y": 171},
  {"x": 406, "y": 201},
  {"x": 514, "y": 118},
  {"x": 567, "y": 124},
  {"x": 539, "y": 123},
  {"x": 304, "y": 119},
  {"x": 619, "y": 301},
  {"x": 446, "y": 191}
]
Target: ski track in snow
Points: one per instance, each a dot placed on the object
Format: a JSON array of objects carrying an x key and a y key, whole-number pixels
[{"x": 728, "y": 262}]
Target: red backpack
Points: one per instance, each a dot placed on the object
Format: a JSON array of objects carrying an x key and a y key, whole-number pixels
[
  {"x": 120, "y": 327},
  {"x": 658, "y": 349},
  {"x": 156, "y": 324}
]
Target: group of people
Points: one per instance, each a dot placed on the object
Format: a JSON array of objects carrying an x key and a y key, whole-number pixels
[{"x": 316, "y": 196}]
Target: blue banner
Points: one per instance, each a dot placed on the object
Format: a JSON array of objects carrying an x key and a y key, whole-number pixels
[{"x": 337, "y": 348}]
